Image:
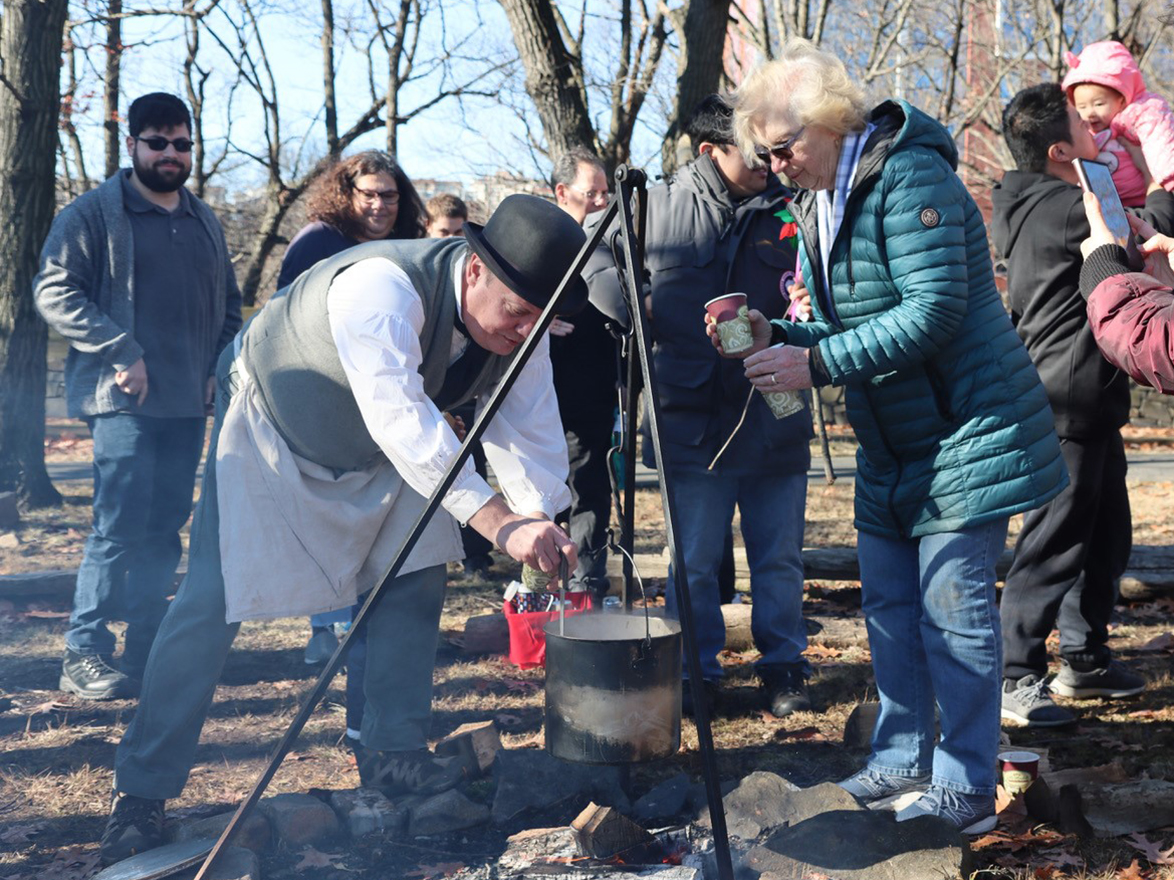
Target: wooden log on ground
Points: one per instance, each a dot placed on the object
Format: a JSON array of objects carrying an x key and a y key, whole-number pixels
[{"x": 54, "y": 584}]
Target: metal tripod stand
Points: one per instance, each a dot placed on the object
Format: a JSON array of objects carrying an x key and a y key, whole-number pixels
[{"x": 628, "y": 206}]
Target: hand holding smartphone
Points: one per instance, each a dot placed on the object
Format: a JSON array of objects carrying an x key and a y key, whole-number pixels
[{"x": 1096, "y": 178}]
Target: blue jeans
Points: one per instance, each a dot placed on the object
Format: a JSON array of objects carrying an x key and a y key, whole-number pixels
[
  {"x": 772, "y": 509},
  {"x": 144, "y": 473},
  {"x": 933, "y": 628}
]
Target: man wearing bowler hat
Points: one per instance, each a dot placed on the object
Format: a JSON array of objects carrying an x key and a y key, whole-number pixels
[{"x": 328, "y": 439}]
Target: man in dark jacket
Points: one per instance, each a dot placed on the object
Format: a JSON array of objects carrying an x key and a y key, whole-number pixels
[
  {"x": 583, "y": 355},
  {"x": 720, "y": 226},
  {"x": 1071, "y": 551}
]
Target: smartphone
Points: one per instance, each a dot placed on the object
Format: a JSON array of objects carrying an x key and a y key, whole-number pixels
[{"x": 1096, "y": 178}]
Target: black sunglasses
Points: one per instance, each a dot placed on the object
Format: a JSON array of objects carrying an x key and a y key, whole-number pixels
[
  {"x": 158, "y": 143},
  {"x": 781, "y": 151}
]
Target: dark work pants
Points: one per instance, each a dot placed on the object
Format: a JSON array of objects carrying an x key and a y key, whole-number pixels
[
  {"x": 1068, "y": 559},
  {"x": 587, "y": 445}
]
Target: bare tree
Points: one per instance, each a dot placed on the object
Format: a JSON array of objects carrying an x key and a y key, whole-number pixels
[
  {"x": 554, "y": 74},
  {"x": 699, "y": 67},
  {"x": 113, "y": 84},
  {"x": 328, "y": 71},
  {"x": 80, "y": 181},
  {"x": 30, "y": 101}
]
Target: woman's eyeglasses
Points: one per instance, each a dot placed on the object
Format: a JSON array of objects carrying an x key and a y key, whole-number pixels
[
  {"x": 371, "y": 196},
  {"x": 783, "y": 150},
  {"x": 158, "y": 143}
]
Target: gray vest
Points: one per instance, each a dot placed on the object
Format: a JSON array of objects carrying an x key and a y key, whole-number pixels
[{"x": 291, "y": 355}]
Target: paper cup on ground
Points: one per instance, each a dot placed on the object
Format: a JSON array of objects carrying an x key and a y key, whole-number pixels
[
  {"x": 1019, "y": 770},
  {"x": 733, "y": 322},
  {"x": 782, "y": 403}
]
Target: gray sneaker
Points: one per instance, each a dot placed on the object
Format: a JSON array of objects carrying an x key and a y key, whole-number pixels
[
  {"x": 970, "y": 813},
  {"x": 321, "y": 646},
  {"x": 1112, "y": 681},
  {"x": 1029, "y": 701},
  {"x": 870, "y": 785}
]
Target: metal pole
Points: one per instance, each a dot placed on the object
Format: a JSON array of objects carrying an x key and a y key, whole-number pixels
[
  {"x": 332, "y": 666},
  {"x": 628, "y": 181}
]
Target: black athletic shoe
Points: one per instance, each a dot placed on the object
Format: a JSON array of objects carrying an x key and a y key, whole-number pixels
[
  {"x": 91, "y": 677},
  {"x": 135, "y": 826},
  {"x": 399, "y": 773},
  {"x": 784, "y": 689},
  {"x": 1112, "y": 681}
]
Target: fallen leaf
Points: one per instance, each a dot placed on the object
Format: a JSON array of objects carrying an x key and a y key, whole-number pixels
[
  {"x": 21, "y": 833},
  {"x": 312, "y": 858},
  {"x": 1061, "y": 858},
  {"x": 1005, "y": 802},
  {"x": 1044, "y": 872},
  {"x": 1164, "y": 642},
  {"x": 805, "y": 733},
  {"x": 1152, "y": 851},
  {"x": 1133, "y": 872},
  {"x": 517, "y": 684}
]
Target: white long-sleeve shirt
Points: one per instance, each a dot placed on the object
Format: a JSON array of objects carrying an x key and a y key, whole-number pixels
[{"x": 376, "y": 318}]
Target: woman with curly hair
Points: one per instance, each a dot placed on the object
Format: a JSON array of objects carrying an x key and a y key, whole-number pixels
[{"x": 366, "y": 197}]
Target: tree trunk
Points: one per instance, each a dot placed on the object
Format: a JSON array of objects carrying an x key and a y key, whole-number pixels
[
  {"x": 193, "y": 80},
  {"x": 278, "y": 200},
  {"x": 328, "y": 77},
  {"x": 699, "y": 71},
  {"x": 30, "y": 100},
  {"x": 550, "y": 75},
  {"x": 113, "y": 76}
]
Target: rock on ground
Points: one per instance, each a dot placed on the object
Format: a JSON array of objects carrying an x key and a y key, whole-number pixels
[
  {"x": 235, "y": 863},
  {"x": 531, "y": 779},
  {"x": 299, "y": 819},
  {"x": 861, "y": 845},
  {"x": 764, "y": 801},
  {"x": 667, "y": 800},
  {"x": 368, "y": 811},
  {"x": 448, "y": 811},
  {"x": 254, "y": 834}
]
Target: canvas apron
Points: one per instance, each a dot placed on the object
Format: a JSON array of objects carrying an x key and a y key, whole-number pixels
[{"x": 297, "y": 539}]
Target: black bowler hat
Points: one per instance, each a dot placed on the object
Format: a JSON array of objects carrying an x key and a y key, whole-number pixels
[{"x": 530, "y": 243}]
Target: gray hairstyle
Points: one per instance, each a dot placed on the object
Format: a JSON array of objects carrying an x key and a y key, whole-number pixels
[{"x": 566, "y": 166}]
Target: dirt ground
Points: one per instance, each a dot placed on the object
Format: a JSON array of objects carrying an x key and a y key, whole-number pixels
[{"x": 56, "y": 751}]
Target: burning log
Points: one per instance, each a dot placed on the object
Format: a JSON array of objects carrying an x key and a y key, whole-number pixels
[{"x": 604, "y": 832}]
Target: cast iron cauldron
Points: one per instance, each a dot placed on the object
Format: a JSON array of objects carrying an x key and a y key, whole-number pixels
[{"x": 613, "y": 688}]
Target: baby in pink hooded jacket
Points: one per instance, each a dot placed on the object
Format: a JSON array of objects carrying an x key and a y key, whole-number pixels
[{"x": 1106, "y": 87}]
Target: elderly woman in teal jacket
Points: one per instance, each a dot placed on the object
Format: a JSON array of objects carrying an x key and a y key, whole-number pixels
[{"x": 954, "y": 427}]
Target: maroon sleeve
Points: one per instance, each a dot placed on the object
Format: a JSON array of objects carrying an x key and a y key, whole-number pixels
[{"x": 1132, "y": 318}]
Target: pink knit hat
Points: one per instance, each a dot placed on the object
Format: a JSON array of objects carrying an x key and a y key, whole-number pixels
[{"x": 1107, "y": 63}]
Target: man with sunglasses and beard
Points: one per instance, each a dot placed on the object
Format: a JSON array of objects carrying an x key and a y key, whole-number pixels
[{"x": 136, "y": 275}]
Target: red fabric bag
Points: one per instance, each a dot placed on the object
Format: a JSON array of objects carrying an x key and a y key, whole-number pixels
[{"x": 527, "y": 640}]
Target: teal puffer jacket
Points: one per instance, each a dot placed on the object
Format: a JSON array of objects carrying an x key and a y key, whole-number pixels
[{"x": 954, "y": 426}]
